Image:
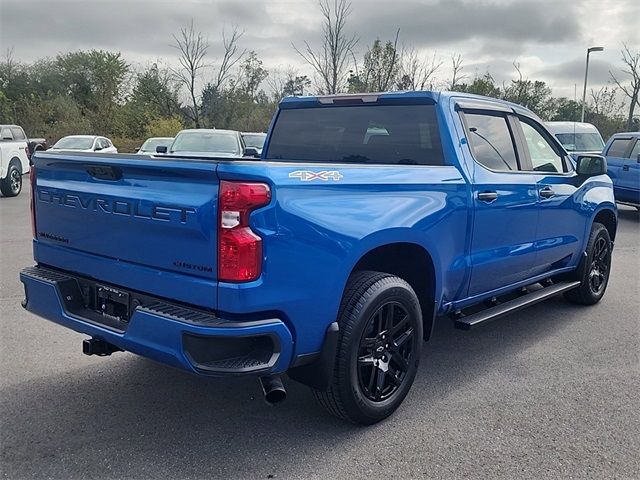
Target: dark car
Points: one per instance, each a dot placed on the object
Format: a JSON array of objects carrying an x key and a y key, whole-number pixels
[
  {"x": 150, "y": 145},
  {"x": 254, "y": 140}
]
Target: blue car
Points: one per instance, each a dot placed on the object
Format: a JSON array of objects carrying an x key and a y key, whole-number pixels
[
  {"x": 366, "y": 219},
  {"x": 623, "y": 166}
]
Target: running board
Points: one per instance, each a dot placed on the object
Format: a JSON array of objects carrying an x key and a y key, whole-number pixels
[{"x": 467, "y": 322}]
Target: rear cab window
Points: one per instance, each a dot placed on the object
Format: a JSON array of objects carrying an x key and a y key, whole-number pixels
[
  {"x": 359, "y": 134},
  {"x": 18, "y": 134}
]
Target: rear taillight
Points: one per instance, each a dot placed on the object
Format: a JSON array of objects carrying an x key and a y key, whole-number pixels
[
  {"x": 32, "y": 194},
  {"x": 239, "y": 248}
]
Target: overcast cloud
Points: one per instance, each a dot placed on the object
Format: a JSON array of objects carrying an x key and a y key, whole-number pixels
[{"x": 547, "y": 38}]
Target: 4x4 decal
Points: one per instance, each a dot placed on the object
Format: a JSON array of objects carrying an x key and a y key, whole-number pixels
[{"x": 324, "y": 175}]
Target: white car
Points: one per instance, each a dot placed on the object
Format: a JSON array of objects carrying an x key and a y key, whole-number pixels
[
  {"x": 577, "y": 137},
  {"x": 14, "y": 159},
  {"x": 205, "y": 142},
  {"x": 84, "y": 143}
]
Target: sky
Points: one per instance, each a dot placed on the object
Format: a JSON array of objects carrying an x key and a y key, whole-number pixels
[{"x": 548, "y": 39}]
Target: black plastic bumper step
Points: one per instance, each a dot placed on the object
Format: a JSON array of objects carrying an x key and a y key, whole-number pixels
[{"x": 484, "y": 316}]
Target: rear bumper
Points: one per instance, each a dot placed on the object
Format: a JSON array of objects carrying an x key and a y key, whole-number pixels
[{"x": 180, "y": 336}]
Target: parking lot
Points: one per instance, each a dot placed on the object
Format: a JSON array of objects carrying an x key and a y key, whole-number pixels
[{"x": 549, "y": 392}]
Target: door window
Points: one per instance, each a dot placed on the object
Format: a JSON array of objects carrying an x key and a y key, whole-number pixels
[
  {"x": 491, "y": 141},
  {"x": 636, "y": 151},
  {"x": 618, "y": 147},
  {"x": 5, "y": 134},
  {"x": 544, "y": 157}
]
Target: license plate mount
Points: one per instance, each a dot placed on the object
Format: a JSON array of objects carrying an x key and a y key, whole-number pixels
[{"x": 113, "y": 303}]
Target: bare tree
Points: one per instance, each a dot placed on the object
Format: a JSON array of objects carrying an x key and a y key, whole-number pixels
[
  {"x": 456, "y": 66},
  {"x": 632, "y": 90},
  {"x": 416, "y": 72},
  {"x": 192, "y": 47},
  {"x": 604, "y": 101},
  {"x": 329, "y": 63},
  {"x": 231, "y": 56}
]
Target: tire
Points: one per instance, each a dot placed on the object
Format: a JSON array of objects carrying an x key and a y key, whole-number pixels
[
  {"x": 372, "y": 375},
  {"x": 594, "y": 269},
  {"x": 11, "y": 185}
]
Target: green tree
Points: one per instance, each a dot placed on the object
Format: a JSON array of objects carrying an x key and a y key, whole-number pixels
[
  {"x": 380, "y": 68},
  {"x": 163, "y": 127},
  {"x": 484, "y": 85},
  {"x": 95, "y": 80},
  {"x": 6, "y": 109},
  {"x": 535, "y": 95},
  {"x": 253, "y": 73},
  {"x": 566, "y": 110},
  {"x": 156, "y": 92}
]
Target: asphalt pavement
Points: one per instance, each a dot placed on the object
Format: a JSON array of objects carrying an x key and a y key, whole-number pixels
[{"x": 549, "y": 392}]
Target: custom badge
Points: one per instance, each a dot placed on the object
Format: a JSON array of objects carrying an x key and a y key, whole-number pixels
[{"x": 324, "y": 175}]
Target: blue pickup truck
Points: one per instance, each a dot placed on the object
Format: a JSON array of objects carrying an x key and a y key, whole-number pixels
[
  {"x": 622, "y": 152},
  {"x": 330, "y": 258}
]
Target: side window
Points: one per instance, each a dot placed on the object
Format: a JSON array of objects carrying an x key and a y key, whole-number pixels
[
  {"x": 491, "y": 141},
  {"x": 636, "y": 151},
  {"x": 5, "y": 134},
  {"x": 18, "y": 134},
  {"x": 544, "y": 158},
  {"x": 618, "y": 147},
  {"x": 106, "y": 143}
]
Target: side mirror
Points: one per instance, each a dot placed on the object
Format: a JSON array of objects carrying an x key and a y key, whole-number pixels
[
  {"x": 251, "y": 152},
  {"x": 639, "y": 158},
  {"x": 591, "y": 165},
  {"x": 137, "y": 150},
  {"x": 161, "y": 149}
]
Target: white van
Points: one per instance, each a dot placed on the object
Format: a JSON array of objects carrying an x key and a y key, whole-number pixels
[{"x": 577, "y": 137}]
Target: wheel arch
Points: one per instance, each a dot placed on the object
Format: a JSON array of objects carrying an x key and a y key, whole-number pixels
[
  {"x": 607, "y": 217},
  {"x": 16, "y": 161},
  {"x": 414, "y": 264}
]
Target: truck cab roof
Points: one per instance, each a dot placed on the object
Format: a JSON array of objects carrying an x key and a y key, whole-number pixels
[{"x": 400, "y": 98}]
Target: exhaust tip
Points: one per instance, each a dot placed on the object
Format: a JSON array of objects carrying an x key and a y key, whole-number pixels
[{"x": 273, "y": 390}]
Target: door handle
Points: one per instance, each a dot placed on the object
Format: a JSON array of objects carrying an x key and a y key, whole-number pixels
[
  {"x": 487, "y": 197},
  {"x": 625, "y": 168},
  {"x": 547, "y": 192}
]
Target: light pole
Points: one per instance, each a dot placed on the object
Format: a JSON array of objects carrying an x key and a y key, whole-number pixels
[{"x": 586, "y": 72}]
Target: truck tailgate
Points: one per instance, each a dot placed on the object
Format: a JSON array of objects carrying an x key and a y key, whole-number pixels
[{"x": 155, "y": 217}]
